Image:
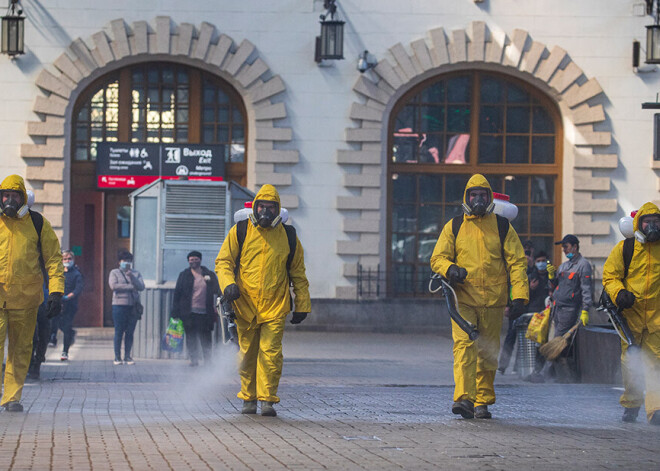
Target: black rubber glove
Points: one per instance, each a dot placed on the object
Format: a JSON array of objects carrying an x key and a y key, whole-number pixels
[
  {"x": 517, "y": 309},
  {"x": 53, "y": 305},
  {"x": 232, "y": 293},
  {"x": 298, "y": 317},
  {"x": 456, "y": 274},
  {"x": 625, "y": 299}
]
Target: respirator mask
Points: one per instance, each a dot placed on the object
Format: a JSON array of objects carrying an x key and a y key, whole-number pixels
[
  {"x": 12, "y": 205},
  {"x": 479, "y": 205},
  {"x": 265, "y": 216}
]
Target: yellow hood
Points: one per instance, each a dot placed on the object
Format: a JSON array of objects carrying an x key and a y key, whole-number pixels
[
  {"x": 266, "y": 193},
  {"x": 645, "y": 210},
  {"x": 477, "y": 181},
  {"x": 15, "y": 183}
]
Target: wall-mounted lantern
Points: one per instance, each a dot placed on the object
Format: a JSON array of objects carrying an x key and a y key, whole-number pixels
[
  {"x": 330, "y": 44},
  {"x": 13, "y": 29}
]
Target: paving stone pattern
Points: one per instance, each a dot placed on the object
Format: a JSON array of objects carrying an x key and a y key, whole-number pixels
[{"x": 349, "y": 401}]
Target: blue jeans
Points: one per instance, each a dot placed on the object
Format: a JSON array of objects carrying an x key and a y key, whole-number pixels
[{"x": 125, "y": 323}]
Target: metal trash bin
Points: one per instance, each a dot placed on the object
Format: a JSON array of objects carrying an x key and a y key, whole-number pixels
[{"x": 526, "y": 350}]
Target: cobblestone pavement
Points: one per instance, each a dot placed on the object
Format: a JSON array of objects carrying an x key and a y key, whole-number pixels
[{"x": 349, "y": 401}]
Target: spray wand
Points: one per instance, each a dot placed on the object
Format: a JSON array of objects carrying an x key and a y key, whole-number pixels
[
  {"x": 452, "y": 305},
  {"x": 227, "y": 320},
  {"x": 616, "y": 318}
]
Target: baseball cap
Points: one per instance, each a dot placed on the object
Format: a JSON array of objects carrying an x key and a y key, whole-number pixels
[{"x": 568, "y": 239}]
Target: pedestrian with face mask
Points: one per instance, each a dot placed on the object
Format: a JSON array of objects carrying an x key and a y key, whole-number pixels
[
  {"x": 479, "y": 260},
  {"x": 73, "y": 287},
  {"x": 572, "y": 297},
  {"x": 193, "y": 303},
  {"x": 126, "y": 284},
  {"x": 28, "y": 248},
  {"x": 636, "y": 290},
  {"x": 258, "y": 263}
]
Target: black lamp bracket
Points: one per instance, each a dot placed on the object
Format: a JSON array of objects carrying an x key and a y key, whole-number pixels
[{"x": 330, "y": 8}]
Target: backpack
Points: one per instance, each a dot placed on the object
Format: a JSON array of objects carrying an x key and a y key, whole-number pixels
[
  {"x": 241, "y": 231},
  {"x": 502, "y": 229}
]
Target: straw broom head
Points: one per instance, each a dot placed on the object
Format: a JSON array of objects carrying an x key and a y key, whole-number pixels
[{"x": 553, "y": 348}]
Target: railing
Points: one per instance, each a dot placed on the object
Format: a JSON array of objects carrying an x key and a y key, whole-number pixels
[{"x": 371, "y": 282}]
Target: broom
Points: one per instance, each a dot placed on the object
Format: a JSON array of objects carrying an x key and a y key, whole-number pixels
[{"x": 553, "y": 348}]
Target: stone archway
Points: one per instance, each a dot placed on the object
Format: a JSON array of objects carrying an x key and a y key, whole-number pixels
[
  {"x": 517, "y": 54},
  {"x": 201, "y": 46}
]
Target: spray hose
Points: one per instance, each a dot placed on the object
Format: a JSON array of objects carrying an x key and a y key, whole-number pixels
[
  {"x": 227, "y": 320},
  {"x": 616, "y": 318},
  {"x": 452, "y": 305}
]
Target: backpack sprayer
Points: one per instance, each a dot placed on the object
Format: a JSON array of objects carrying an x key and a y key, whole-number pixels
[
  {"x": 452, "y": 305},
  {"x": 616, "y": 318},
  {"x": 227, "y": 320}
]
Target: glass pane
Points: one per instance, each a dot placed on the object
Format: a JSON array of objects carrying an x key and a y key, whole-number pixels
[
  {"x": 542, "y": 122},
  {"x": 405, "y": 120},
  {"x": 208, "y": 135},
  {"x": 543, "y": 150},
  {"x": 490, "y": 149},
  {"x": 81, "y": 133},
  {"x": 404, "y": 188},
  {"x": 222, "y": 134},
  {"x": 237, "y": 134},
  {"x": 237, "y": 116},
  {"x": 431, "y": 151},
  {"x": 543, "y": 190},
  {"x": 458, "y": 119},
  {"x": 182, "y": 115},
  {"x": 137, "y": 75},
  {"x": 432, "y": 118},
  {"x": 152, "y": 75},
  {"x": 517, "y": 149},
  {"x": 123, "y": 222},
  {"x": 403, "y": 218},
  {"x": 209, "y": 114},
  {"x": 168, "y": 75},
  {"x": 491, "y": 119},
  {"x": 182, "y": 95},
  {"x": 517, "y": 119},
  {"x": 182, "y": 134},
  {"x": 458, "y": 148},
  {"x": 209, "y": 94},
  {"x": 402, "y": 281},
  {"x": 153, "y": 96},
  {"x": 430, "y": 188},
  {"x": 403, "y": 248},
  {"x": 458, "y": 89},
  {"x": 516, "y": 188},
  {"x": 455, "y": 187},
  {"x": 434, "y": 93},
  {"x": 492, "y": 90},
  {"x": 83, "y": 114},
  {"x": 237, "y": 152},
  {"x": 81, "y": 153},
  {"x": 520, "y": 222},
  {"x": 430, "y": 218},
  {"x": 542, "y": 219},
  {"x": 516, "y": 94},
  {"x": 426, "y": 244},
  {"x": 223, "y": 114},
  {"x": 222, "y": 97},
  {"x": 404, "y": 149}
]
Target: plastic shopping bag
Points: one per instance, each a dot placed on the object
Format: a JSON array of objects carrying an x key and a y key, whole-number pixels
[
  {"x": 538, "y": 327},
  {"x": 173, "y": 338}
]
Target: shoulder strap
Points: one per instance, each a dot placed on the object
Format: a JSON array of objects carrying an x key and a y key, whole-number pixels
[
  {"x": 291, "y": 237},
  {"x": 38, "y": 222},
  {"x": 503, "y": 230},
  {"x": 241, "y": 231},
  {"x": 456, "y": 223},
  {"x": 628, "y": 250}
]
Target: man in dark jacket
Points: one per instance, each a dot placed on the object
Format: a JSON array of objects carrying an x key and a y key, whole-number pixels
[
  {"x": 193, "y": 304},
  {"x": 73, "y": 287}
]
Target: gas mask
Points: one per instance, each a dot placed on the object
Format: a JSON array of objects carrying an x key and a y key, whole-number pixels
[
  {"x": 478, "y": 206},
  {"x": 652, "y": 232},
  {"x": 13, "y": 207},
  {"x": 265, "y": 217}
]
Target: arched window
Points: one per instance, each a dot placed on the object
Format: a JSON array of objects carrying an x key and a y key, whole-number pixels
[
  {"x": 162, "y": 102},
  {"x": 445, "y": 130}
]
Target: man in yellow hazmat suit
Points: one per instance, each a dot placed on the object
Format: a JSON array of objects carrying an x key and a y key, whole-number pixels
[
  {"x": 478, "y": 261},
  {"x": 21, "y": 283},
  {"x": 638, "y": 294},
  {"x": 256, "y": 273}
]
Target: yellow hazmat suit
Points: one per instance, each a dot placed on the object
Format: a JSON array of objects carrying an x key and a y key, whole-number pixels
[
  {"x": 21, "y": 287},
  {"x": 643, "y": 317},
  {"x": 483, "y": 295},
  {"x": 265, "y": 299}
]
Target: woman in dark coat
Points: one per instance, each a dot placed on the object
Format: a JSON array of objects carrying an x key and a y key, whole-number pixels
[{"x": 193, "y": 304}]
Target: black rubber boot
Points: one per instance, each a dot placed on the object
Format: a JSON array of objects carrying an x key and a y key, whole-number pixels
[
  {"x": 14, "y": 406},
  {"x": 267, "y": 409},
  {"x": 655, "y": 418},
  {"x": 481, "y": 412},
  {"x": 249, "y": 407},
  {"x": 463, "y": 408},
  {"x": 630, "y": 414}
]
